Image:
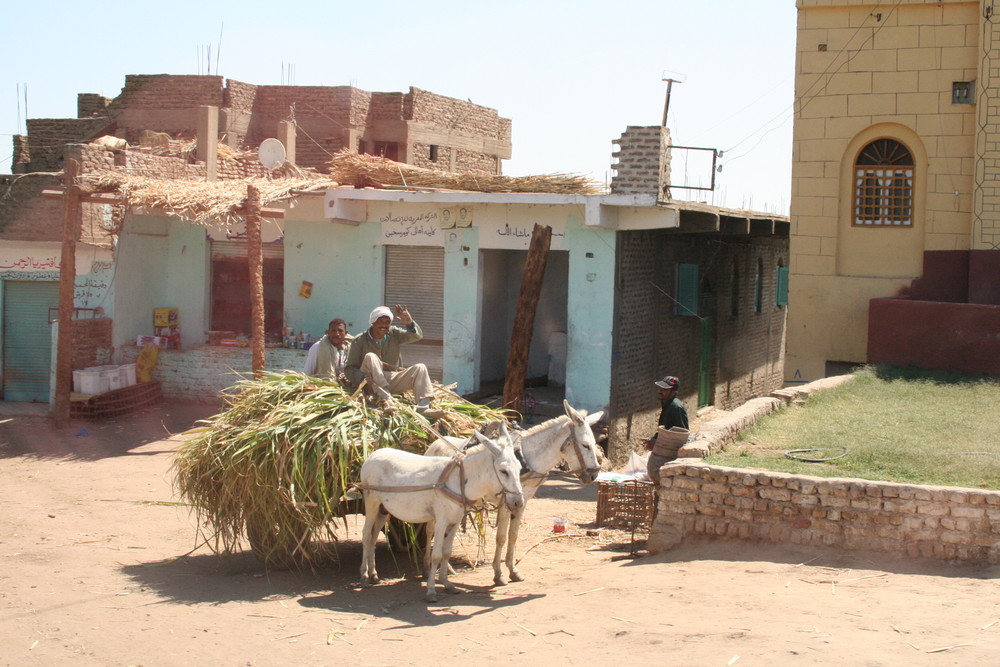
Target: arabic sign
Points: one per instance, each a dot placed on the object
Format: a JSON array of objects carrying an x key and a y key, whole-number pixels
[
  {"x": 420, "y": 228},
  {"x": 517, "y": 235}
]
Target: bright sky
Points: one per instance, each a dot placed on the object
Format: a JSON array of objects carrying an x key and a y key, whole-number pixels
[{"x": 570, "y": 74}]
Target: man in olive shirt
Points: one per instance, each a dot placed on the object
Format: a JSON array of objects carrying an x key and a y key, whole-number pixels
[
  {"x": 673, "y": 419},
  {"x": 375, "y": 356}
]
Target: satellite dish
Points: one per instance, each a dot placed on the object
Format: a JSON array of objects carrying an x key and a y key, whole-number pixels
[{"x": 271, "y": 153}]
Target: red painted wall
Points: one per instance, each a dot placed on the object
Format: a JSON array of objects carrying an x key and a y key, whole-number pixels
[{"x": 934, "y": 335}]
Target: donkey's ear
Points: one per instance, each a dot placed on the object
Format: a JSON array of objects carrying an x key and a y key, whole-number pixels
[
  {"x": 594, "y": 418},
  {"x": 489, "y": 444},
  {"x": 572, "y": 413}
]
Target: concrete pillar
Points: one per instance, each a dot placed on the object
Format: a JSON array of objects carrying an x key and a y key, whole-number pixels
[
  {"x": 207, "y": 148},
  {"x": 286, "y": 135}
]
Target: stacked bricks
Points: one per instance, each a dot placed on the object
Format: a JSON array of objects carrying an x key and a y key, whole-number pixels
[
  {"x": 696, "y": 499},
  {"x": 91, "y": 104},
  {"x": 642, "y": 162},
  {"x": 91, "y": 342},
  {"x": 203, "y": 372}
]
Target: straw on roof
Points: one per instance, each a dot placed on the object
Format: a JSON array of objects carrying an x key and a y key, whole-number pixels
[
  {"x": 199, "y": 201},
  {"x": 365, "y": 170}
]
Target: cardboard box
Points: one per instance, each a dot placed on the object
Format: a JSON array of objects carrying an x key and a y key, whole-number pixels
[
  {"x": 159, "y": 341},
  {"x": 166, "y": 317}
]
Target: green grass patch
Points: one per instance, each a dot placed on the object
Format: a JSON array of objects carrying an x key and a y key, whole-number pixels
[{"x": 898, "y": 425}]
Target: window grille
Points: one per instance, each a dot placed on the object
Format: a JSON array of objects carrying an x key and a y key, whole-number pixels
[{"x": 883, "y": 185}]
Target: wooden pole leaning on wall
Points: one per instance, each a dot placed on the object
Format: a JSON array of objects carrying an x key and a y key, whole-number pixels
[
  {"x": 524, "y": 318},
  {"x": 67, "y": 283},
  {"x": 256, "y": 261}
]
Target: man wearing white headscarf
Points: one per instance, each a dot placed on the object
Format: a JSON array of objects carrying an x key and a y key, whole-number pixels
[{"x": 375, "y": 356}]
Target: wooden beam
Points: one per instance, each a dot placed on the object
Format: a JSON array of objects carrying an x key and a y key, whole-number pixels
[
  {"x": 524, "y": 318},
  {"x": 256, "y": 262},
  {"x": 108, "y": 198},
  {"x": 67, "y": 284}
]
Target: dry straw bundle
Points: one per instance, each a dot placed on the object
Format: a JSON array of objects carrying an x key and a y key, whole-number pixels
[
  {"x": 197, "y": 201},
  {"x": 276, "y": 464},
  {"x": 371, "y": 170}
]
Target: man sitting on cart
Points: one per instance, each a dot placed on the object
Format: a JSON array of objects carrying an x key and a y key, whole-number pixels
[{"x": 375, "y": 356}]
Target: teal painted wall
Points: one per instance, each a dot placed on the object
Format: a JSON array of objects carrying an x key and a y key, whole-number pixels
[
  {"x": 141, "y": 277},
  {"x": 188, "y": 280},
  {"x": 590, "y": 314},
  {"x": 461, "y": 302},
  {"x": 345, "y": 264}
]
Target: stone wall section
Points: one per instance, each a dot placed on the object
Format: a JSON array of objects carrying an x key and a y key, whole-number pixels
[{"x": 697, "y": 499}]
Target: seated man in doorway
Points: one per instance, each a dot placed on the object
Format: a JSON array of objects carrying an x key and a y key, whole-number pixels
[
  {"x": 375, "y": 357},
  {"x": 327, "y": 357}
]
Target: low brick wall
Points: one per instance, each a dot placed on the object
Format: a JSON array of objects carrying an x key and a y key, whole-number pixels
[
  {"x": 921, "y": 521},
  {"x": 203, "y": 372}
]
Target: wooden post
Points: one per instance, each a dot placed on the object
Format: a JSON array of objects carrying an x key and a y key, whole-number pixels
[
  {"x": 256, "y": 261},
  {"x": 67, "y": 281},
  {"x": 524, "y": 318}
]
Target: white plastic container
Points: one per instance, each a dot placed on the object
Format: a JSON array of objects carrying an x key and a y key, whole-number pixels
[
  {"x": 127, "y": 373},
  {"x": 111, "y": 378},
  {"x": 87, "y": 381}
]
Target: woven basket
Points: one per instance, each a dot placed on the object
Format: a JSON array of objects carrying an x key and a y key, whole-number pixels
[{"x": 625, "y": 504}]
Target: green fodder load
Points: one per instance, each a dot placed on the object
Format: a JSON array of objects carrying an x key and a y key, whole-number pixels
[{"x": 275, "y": 464}]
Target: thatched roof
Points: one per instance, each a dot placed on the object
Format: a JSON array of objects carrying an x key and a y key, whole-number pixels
[
  {"x": 371, "y": 170},
  {"x": 200, "y": 201}
]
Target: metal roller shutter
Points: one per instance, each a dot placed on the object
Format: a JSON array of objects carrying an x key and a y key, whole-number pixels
[
  {"x": 414, "y": 276},
  {"x": 27, "y": 339}
]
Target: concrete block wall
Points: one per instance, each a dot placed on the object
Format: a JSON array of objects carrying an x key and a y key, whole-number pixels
[
  {"x": 986, "y": 222},
  {"x": 641, "y": 165},
  {"x": 697, "y": 499},
  {"x": 203, "y": 372},
  {"x": 652, "y": 341}
]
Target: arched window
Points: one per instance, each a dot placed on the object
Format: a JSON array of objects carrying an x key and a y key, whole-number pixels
[{"x": 883, "y": 185}]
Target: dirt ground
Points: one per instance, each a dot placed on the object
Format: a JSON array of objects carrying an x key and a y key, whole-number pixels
[{"x": 96, "y": 570}]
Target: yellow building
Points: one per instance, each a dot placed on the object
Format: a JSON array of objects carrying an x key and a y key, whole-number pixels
[{"x": 895, "y": 153}]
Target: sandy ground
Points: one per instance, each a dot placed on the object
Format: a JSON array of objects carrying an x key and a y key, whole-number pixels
[{"x": 96, "y": 571}]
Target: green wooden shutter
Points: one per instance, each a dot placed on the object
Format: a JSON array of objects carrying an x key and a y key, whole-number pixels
[
  {"x": 781, "y": 296},
  {"x": 687, "y": 290}
]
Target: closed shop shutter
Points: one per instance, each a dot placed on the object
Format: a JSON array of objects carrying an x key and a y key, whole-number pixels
[
  {"x": 27, "y": 339},
  {"x": 225, "y": 249},
  {"x": 414, "y": 277}
]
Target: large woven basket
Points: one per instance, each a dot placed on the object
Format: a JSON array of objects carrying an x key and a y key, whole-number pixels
[{"x": 625, "y": 504}]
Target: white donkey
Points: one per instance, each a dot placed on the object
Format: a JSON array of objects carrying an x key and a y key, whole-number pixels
[
  {"x": 566, "y": 438},
  {"x": 437, "y": 491}
]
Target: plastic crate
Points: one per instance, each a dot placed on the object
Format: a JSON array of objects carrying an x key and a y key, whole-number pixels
[{"x": 625, "y": 504}]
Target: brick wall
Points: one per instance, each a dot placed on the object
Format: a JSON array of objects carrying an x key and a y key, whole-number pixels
[
  {"x": 48, "y": 136},
  {"x": 91, "y": 342},
  {"x": 918, "y": 521},
  {"x": 91, "y": 104},
  {"x": 641, "y": 164},
  {"x": 24, "y": 214},
  {"x": 202, "y": 372},
  {"x": 457, "y": 115},
  {"x": 168, "y": 91},
  {"x": 652, "y": 341}
]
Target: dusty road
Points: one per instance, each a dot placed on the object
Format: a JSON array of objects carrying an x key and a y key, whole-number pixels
[{"x": 93, "y": 572}]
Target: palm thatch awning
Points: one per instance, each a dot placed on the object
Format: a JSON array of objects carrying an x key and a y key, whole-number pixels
[{"x": 202, "y": 202}]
